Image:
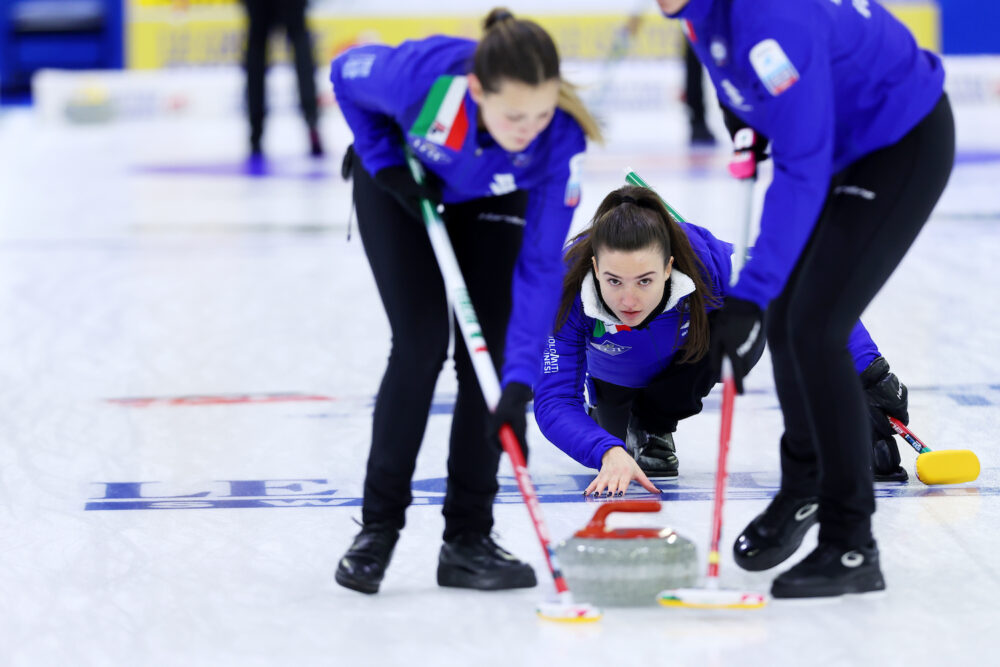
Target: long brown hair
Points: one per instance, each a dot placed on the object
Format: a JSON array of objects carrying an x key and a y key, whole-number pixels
[
  {"x": 633, "y": 218},
  {"x": 521, "y": 50}
]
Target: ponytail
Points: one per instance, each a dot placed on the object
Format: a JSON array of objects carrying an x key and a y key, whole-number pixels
[{"x": 521, "y": 50}]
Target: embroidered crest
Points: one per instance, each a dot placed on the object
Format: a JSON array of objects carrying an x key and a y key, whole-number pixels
[
  {"x": 610, "y": 348},
  {"x": 572, "y": 196}
]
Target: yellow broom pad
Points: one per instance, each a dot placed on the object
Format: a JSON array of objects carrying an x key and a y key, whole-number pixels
[{"x": 947, "y": 466}]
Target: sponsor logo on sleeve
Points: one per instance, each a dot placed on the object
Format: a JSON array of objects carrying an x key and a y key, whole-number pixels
[
  {"x": 572, "y": 196},
  {"x": 736, "y": 99},
  {"x": 550, "y": 359},
  {"x": 773, "y": 67},
  {"x": 358, "y": 66}
]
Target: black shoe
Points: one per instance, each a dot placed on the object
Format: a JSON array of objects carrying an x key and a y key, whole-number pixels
[
  {"x": 885, "y": 461},
  {"x": 655, "y": 453},
  {"x": 775, "y": 533},
  {"x": 315, "y": 143},
  {"x": 831, "y": 570},
  {"x": 363, "y": 566},
  {"x": 475, "y": 561}
]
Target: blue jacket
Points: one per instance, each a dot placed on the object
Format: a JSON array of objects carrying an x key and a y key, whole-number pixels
[
  {"x": 419, "y": 89},
  {"x": 828, "y": 81},
  {"x": 590, "y": 344}
]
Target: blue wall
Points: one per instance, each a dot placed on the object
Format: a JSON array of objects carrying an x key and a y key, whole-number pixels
[
  {"x": 79, "y": 43},
  {"x": 970, "y": 26}
]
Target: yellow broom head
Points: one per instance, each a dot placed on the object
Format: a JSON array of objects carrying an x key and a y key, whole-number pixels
[{"x": 947, "y": 466}]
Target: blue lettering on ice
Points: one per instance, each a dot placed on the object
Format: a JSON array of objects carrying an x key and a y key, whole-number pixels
[
  {"x": 285, "y": 493},
  {"x": 970, "y": 399}
]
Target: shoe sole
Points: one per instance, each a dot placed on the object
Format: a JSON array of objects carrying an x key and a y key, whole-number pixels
[
  {"x": 458, "y": 578},
  {"x": 788, "y": 591},
  {"x": 893, "y": 477},
  {"x": 766, "y": 559},
  {"x": 355, "y": 585}
]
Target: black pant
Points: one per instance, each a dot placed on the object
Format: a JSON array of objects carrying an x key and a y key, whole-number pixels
[
  {"x": 263, "y": 16},
  {"x": 860, "y": 238},
  {"x": 486, "y": 244},
  {"x": 694, "y": 93},
  {"x": 674, "y": 394}
]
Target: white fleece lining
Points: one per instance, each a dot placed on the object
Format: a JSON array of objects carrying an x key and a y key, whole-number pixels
[{"x": 680, "y": 286}]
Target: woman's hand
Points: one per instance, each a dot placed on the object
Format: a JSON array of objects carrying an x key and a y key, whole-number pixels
[{"x": 618, "y": 469}]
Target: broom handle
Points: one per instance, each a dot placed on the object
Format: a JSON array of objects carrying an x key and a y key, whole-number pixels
[
  {"x": 486, "y": 374},
  {"x": 900, "y": 428}
]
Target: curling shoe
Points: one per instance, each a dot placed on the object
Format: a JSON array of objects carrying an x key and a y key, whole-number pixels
[
  {"x": 832, "y": 570},
  {"x": 775, "y": 533},
  {"x": 474, "y": 560},
  {"x": 655, "y": 454},
  {"x": 886, "y": 461},
  {"x": 363, "y": 566}
]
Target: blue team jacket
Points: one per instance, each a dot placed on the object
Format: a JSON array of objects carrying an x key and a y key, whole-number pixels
[
  {"x": 419, "y": 89},
  {"x": 590, "y": 343},
  {"x": 828, "y": 81}
]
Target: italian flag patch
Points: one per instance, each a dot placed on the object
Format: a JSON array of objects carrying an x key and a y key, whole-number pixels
[
  {"x": 443, "y": 120},
  {"x": 600, "y": 329}
]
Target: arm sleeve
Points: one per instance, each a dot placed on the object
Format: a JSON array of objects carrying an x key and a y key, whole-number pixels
[
  {"x": 800, "y": 123},
  {"x": 367, "y": 84},
  {"x": 539, "y": 270},
  {"x": 559, "y": 406},
  {"x": 862, "y": 348}
]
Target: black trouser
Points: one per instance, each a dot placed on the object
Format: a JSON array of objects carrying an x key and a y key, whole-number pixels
[
  {"x": 673, "y": 394},
  {"x": 263, "y": 16},
  {"x": 694, "y": 93},
  {"x": 858, "y": 241},
  {"x": 486, "y": 244}
]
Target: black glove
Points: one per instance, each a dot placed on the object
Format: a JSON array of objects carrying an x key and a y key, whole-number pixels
[
  {"x": 398, "y": 182},
  {"x": 886, "y": 397},
  {"x": 738, "y": 333},
  {"x": 511, "y": 410},
  {"x": 749, "y": 146},
  {"x": 347, "y": 166}
]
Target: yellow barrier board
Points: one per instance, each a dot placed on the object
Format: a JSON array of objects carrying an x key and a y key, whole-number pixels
[{"x": 211, "y": 32}]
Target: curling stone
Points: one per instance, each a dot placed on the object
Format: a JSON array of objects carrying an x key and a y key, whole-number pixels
[{"x": 626, "y": 566}]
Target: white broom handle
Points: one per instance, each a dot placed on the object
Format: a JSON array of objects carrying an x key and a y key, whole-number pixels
[{"x": 458, "y": 294}]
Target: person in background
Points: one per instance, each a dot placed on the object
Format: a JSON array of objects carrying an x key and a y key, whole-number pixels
[
  {"x": 500, "y": 135},
  {"x": 263, "y": 16},
  {"x": 863, "y": 143},
  {"x": 694, "y": 99}
]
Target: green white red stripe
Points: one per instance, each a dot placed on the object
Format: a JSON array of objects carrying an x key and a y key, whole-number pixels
[
  {"x": 600, "y": 328},
  {"x": 443, "y": 120}
]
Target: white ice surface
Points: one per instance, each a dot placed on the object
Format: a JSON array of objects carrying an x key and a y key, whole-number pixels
[{"x": 121, "y": 282}]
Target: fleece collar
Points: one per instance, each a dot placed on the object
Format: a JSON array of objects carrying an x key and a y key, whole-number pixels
[{"x": 680, "y": 286}]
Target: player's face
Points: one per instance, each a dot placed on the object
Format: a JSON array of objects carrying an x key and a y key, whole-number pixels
[
  {"x": 517, "y": 112},
  {"x": 632, "y": 281},
  {"x": 671, "y": 6}
]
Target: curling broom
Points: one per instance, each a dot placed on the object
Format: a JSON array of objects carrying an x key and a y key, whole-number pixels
[
  {"x": 711, "y": 596},
  {"x": 946, "y": 466},
  {"x": 564, "y": 609}
]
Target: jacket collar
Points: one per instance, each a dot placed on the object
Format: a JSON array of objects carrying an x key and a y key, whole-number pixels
[{"x": 680, "y": 286}]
